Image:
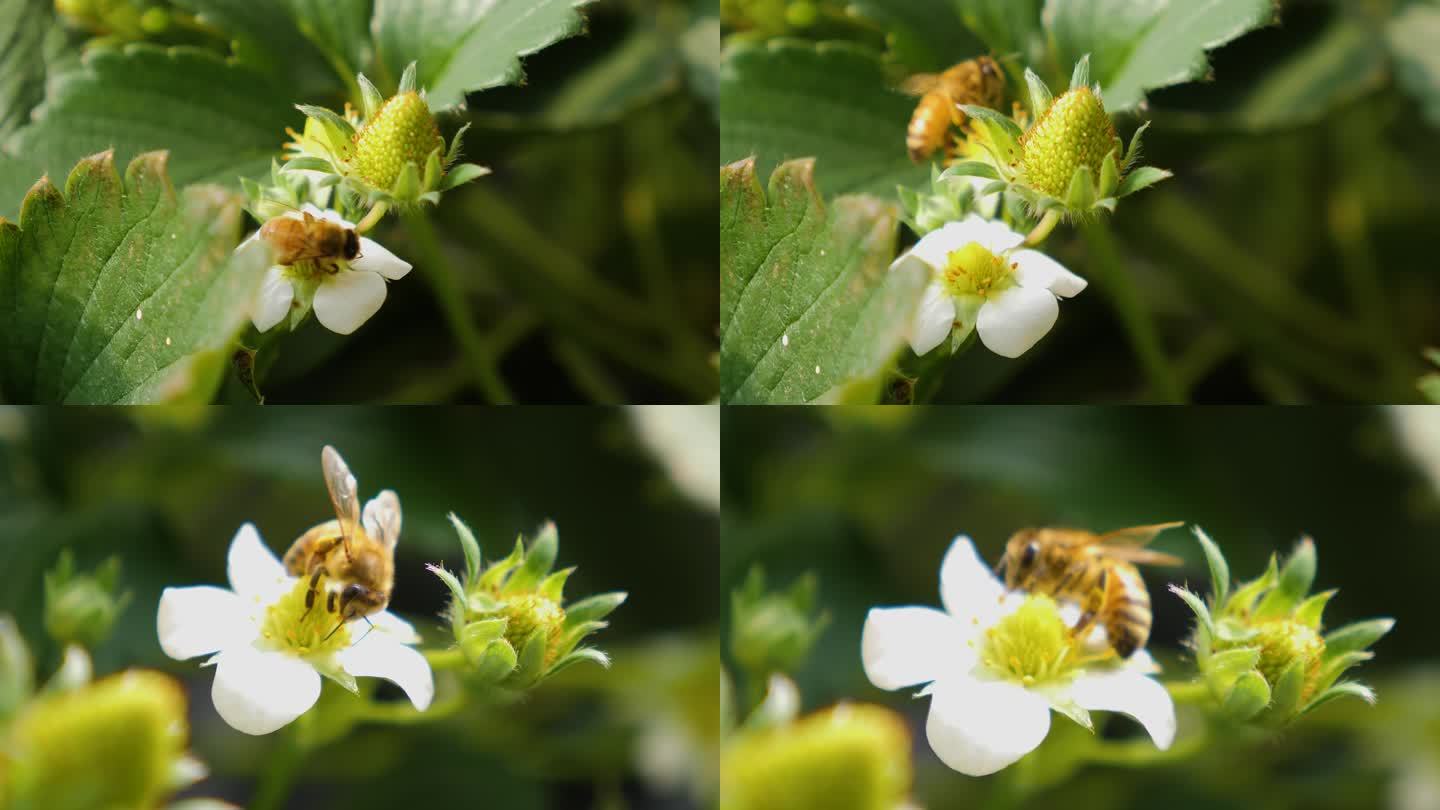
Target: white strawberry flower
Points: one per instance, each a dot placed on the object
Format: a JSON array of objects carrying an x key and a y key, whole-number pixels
[
  {"x": 995, "y": 663},
  {"x": 343, "y": 300},
  {"x": 269, "y": 651},
  {"x": 981, "y": 279}
]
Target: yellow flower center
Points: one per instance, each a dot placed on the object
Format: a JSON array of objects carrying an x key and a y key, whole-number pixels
[
  {"x": 316, "y": 631},
  {"x": 1031, "y": 645},
  {"x": 974, "y": 271}
]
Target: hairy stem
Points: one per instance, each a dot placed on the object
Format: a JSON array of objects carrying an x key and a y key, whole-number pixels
[
  {"x": 1042, "y": 229},
  {"x": 372, "y": 219},
  {"x": 283, "y": 765}
]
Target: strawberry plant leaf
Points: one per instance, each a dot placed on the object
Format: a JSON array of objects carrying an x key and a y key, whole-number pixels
[
  {"x": 809, "y": 309},
  {"x": 465, "y": 45},
  {"x": 122, "y": 291},
  {"x": 787, "y": 99},
  {"x": 219, "y": 120},
  {"x": 1140, "y": 45},
  {"x": 1412, "y": 35},
  {"x": 32, "y": 48}
]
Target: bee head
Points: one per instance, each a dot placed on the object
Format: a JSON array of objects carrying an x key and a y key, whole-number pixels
[
  {"x": 356, "y": 601},
  {"x": 352, "y": 245},
  {"x": 1022, "y": 554}
]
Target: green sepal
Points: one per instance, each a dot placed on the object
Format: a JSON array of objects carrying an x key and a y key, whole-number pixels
[
  {"x": 1219, "y": 568},
  {"x": 1109, "y": 175},
  {"x": 1296, "y": 577},
  {"x": 538, "y": 560},
  {"x": 1223, "y": 668},
  {"x": 496, "y": 663},
  {"x": 594, "y": 608},
  {"x": 1004, "y": 133},
  {"x": 308, "y": 163},
  {"x": 1333, "y": 667},
  {"x": 1342, "y": 689},
  {"x": 1285, "y": 696},
  {"x": 578, "y": 656},
  {"x": 1197, "y": 605},
  {"x": 17, "y": 669},
  {"x": 531, "y": 663},
  {"x": 469, "y": 546},
  {"x": 1080, "y": 76},
  {"x": 994, "y": 187},
  {"x": 1311, "y": 610},
  {"x": 453, "y": 153},
  {"x": 970, "y": 168},
  {"x": 1040, "y": 95},
  {"x": 332, "y": 121},
  {"x": 1247, "y": 698},
  {"x": 407, "y": 80},
  {"x": 1356, "y": 636},
  {"x": 495, "y": 575},
  {"x": 462, "y": 174},
  {"x": 553, "y": 586},
  {"x": 370, "y": 97},
  {"x": 407, "y": 184},
  {"x": 1141, "y": 178},
  {"x": 1246, "y": 595},
  {"x": 476, "y": 638},
  {"x": 1081, "y": 194},
  {"x": 1133, "y": 152}
]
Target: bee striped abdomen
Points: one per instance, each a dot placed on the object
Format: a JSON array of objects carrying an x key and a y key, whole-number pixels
[{"x": 1127, "y": 610}]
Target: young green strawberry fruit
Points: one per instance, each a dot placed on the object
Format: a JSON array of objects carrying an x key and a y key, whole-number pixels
[
  {"x": 402, "y": 132},
  {"x": 1074, "y": 131}
]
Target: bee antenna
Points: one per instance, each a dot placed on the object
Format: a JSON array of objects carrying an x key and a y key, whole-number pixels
[{"x": 337, "y": 629}]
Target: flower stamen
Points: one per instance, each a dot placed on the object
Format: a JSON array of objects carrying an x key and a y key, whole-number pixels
[{"x": 975, "y": 271}]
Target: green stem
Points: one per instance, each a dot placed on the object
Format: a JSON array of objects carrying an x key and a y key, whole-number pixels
[
  {"x": 372, "y": 219},
  {"x": 403, "y": 714},
  {"x": 451, "y": 658},
  {"x": 1115, "y": 278},
  {"x": 1042, "y": 229},
  {"x": 446, "y": 286},
  {"x": 281, "y": 768},
  {"x": 588, "y": 375},
  {"x": 1362, "y": 278},
  {"x": 1188, "y": 691}
]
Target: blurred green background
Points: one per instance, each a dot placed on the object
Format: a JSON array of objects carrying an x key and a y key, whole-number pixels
[
  {"x": 167, "y": 489},
  {"x": 871, "y": 498}
]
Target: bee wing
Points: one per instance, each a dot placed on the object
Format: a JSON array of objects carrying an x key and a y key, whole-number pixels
[
  {"x": 919, "y": 84},
  {"x": 1140, "y": 556},
  {"x": 1136, "y": 536},
  {"x": 342, "y": 493},
  {"x": 382, "y": 518}
]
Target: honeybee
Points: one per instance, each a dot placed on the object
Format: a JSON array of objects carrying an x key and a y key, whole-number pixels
[
  {"x": 975, "y": 81},
  {"x": 309, "y": 238},
  {"x": 1096, "y": 570},
  {"x": 354, "y": 554}
]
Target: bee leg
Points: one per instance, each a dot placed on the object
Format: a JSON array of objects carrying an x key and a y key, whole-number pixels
[
  {"x": 330, "y": 602},
  {"x": 314, "y": 588}
]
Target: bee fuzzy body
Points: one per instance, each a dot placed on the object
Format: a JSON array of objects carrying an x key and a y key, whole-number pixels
[
  {"x": 1095, "y": 571},
  {"x": 974, "y": 81}
]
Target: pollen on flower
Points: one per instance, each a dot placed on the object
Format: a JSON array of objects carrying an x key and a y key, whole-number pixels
[
  {"x": 316, "y": 631},
  {"x": 1031, "y": 645},
  {"x": 975, "y": 271}
]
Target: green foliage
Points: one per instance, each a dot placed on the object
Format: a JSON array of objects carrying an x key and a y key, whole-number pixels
[
  {"x": 464, "y": 45},
  {"x": 219, "y": 121},
  {"x": 31, "y": 44},
  {"x": 123, "y": 291},
  {"x": 920, "y": 34},
  {"x": 773, "y": 631},
  {"x": 809, "y": 310},
  {"x": 1139, "y": 46},
  {"x": 1412, "y": 35},
  {"x": 339, "y": 28},
  {"x": 81, "y": 608},
  {"x": 790, "y": 99}
]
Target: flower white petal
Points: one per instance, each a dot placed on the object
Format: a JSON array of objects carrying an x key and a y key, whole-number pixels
[
  {"x": 933, "y": 319},
  {"x": 978, "y": 727},
  {"x": 1144, "y": 699},
  {"x": 934, "y": 248},
  {"x": 199, "y": 620},
  {"x": 375, "y": 258},
  {"x": 380, "y": 656},
  {"x": 273, "y": 303},
  {"x": 1035, "y": 269},
  {"x": 391, "y": 625},
  {"x": 1013, "y": 321},
  {"x": 348, "y": 299},
  {"x": 968, "y": 587},
  {"x": 906, "y": 646},
  {"x": 255, "y": 573},
  {"x": 1141, "y": 661},
  {"x": 258, "y": 691},
  {"x": 994, "y": 236}
]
